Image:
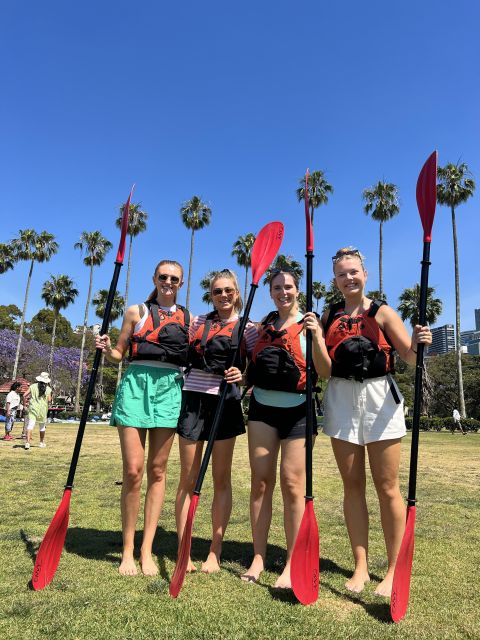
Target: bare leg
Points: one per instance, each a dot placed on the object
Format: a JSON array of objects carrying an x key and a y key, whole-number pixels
[
  {"x": 190, "y": 460},
  {"x": 42, "y": 433},
  {"x": 263, "y": 447},
  {"x": 132, "y": 443},
  {"x": 384, "y": 458},
  {"x": 159, "y": 444},
  {"x": 292, "y": 480},
  {"x": 351, "y": 464},
  {"x": 222, "y": 500}
]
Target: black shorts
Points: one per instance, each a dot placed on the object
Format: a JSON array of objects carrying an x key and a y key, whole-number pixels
[
  {"x": 290, "y": 422},
  {"x": 198, "y": 411}
]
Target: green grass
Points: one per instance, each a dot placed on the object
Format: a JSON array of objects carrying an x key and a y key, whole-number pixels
[{"x": 89, "y": 599}]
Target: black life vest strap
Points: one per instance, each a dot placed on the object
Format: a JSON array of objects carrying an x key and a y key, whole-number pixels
[
  {"x": 333, "y": 310},
  {"x": 374, "y": 307},
  {"x": 153, "y": 309}
]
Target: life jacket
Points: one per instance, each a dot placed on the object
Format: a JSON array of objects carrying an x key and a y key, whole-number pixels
[
  {"x": 163, "y": 337},
  {"x": 277, "y": 360},
  {"x": 213, "y": 342},
  {"x": 357, "y": 346}
]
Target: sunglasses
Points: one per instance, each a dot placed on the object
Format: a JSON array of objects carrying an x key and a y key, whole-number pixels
[
  {"x": 218, "y": 291},
  {"x": 163, "y": 277},
  {"x": 346, "y": 252}
]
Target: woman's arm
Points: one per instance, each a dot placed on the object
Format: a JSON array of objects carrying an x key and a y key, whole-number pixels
[
  {"x": 115, "y": 354},
  {"x": 404, "y": 345},
  {"x": 321, "y": 359}
]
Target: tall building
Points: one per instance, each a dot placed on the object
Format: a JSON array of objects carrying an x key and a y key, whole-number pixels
[
  {"x": 477, "y": 319},
  {"x": 443, "y": 340}
]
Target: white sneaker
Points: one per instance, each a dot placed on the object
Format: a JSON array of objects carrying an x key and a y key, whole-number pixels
[
  {"x": 42, "y": 445},
  {"x": 27, "y": 445}
]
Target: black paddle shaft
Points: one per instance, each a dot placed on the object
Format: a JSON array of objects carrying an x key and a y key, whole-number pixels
[
  {"x": 224, "y": 387},
  {"x": 93, "y": 377},
  {"x": 417, "y": 404},
  {"x": 309, "y": 389}
]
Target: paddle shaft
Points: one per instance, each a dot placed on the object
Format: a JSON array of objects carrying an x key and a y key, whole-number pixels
[
  {"x": 93, "y": 377},
  {"x": 417, "y": 404},
  {"x": 308, "y": 389},
  {"x": 224, "y": 387}
]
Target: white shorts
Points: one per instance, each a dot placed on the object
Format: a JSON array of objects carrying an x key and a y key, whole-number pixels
[
  {"x": 31, "y": 423},
  {"x": 363, "y": 412}
]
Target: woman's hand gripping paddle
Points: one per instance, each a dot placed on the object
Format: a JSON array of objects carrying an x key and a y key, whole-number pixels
[
  {"x": 426, "y": 201},
  {"x": 305, "y": 564},
  {"x": 50, "y": 550},
  {"x": 264, "y": 251}
]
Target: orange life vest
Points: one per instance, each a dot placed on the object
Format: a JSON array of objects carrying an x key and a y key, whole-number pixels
[
  {"x": 212, "y": 343},
  {"x": 277, "y": 360},
  {"x": 357, "y": 346},
  {"x": 163, "y": 337}
]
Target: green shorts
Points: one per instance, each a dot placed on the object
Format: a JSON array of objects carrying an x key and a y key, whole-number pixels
[{"x": 148, "y": 397}]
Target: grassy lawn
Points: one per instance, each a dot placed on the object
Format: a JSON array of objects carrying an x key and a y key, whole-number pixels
[{"x": 89, "y": 599}]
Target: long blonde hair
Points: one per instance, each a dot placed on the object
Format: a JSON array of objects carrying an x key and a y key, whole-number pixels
[
  {"x": 231, "y": 275},
  {"x": 153, "y": 296}
]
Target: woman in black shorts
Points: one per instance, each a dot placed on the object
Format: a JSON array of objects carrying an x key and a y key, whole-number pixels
[
  {"x": 277, "y": 420},
  {"x": 211, "y": 339}
]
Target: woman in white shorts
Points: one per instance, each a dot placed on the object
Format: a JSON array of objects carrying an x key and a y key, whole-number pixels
[
  {"x": 38, "y": 398},
  {"x": 364, "y": 408}
]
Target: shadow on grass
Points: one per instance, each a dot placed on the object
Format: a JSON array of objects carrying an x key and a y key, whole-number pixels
[{"x": 380, "y": 611}]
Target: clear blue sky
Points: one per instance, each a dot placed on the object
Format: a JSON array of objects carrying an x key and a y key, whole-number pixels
[{"x": 232, "y": 101}]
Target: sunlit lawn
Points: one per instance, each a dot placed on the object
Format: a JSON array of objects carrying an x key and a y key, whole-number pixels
[{"x": 89, "y": 599}]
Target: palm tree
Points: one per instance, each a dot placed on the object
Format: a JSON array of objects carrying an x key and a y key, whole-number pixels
[
  {"x": 375, "y": 294},
  {"x": 318, "y": 291},
  {"x": 318, "y": 190},
  {"x": 137, "y": 223},
  {"x": 455, "y": 186},
  {"x": 99, "y": 301},
  {"x": 95, "y": 247},
  {"x": 242, "y": 250},
  {"x": 381, "y": 201},
  {"x": 333, "y": 295},
  {"x": 7, "y": 257},
  {"x": 58, "y": 293},
  {"x": 284, "y": 262},
  {"x": 302, "y": 302},
  {"x": 35, "y": 247},
  {"x": 205, "y": 285},
  {"x": 195, "y": 215},
  {"x": 409, "y": 307}
]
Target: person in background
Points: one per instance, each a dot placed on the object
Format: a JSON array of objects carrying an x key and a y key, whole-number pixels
[
  {"x": 456, "y": 422},
  {"x": 12, "y": 403},
  {"x": 38, "y": 398}
]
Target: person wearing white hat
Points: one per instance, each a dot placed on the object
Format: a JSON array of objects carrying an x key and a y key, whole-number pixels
[{"x": 38, "y": 398}]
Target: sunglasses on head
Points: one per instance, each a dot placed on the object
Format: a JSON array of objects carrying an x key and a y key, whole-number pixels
[
  {"x": 163, "y": 277},
  {"x": 347, "y": 252},
  {"x": 218, "y": 291}
]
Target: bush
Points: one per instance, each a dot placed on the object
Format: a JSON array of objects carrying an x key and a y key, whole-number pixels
[{"x": 437, "y": 424}]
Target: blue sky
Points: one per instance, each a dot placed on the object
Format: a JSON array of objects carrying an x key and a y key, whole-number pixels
[{"x": 232, "y": 101}]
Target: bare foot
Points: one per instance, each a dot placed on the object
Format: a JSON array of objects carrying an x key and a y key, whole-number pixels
[
  {"x": 191, "y": 568},
  {"x": 253, "y": 572},
  {"x": 127, "y": 566},
  {"x": 283, "y": 581},
  {"x": 357, "y": 581},
  {"x": 384, "y": 589},
  {"x": 147, "y": 564},
  {"x": 211, "y": 564}
]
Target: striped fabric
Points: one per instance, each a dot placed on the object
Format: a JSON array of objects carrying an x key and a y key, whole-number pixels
[{"x": 202, "y": 381}]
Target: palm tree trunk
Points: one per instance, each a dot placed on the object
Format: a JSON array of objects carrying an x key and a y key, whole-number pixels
[
  {"x": 127, "y": 284},
  {"x": 187, "y": 303},
  {"x": 380, "y": 260},
  {"x": 22, "y": 323},
  {"x": 54, "y": 331},
  {"x": 461, "y": 397},
  {"x": 82, "y": 348}
]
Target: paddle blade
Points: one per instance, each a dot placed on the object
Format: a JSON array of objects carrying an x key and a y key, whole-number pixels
[
  {"x": 305, "y": 565},
  {"x": 124, "y": 228},
  {"x": 265, "y": 249},
  {"x": 50, "y": 550},
  {"x": 403, "y": 570},
  {"x": 308, "y": 217},
  {"x": 427, "y": 195},
  {"x": 178, "y": 577}
]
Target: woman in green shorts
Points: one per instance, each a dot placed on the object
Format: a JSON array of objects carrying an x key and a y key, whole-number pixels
[{"x": 148, "y": 399}]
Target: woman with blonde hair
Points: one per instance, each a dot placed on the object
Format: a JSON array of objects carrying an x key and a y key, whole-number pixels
[
  {"x": 212, "y": 337},
  {"x": 148, "y": 400}
]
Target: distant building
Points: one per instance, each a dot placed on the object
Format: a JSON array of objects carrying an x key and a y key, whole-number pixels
[
  {"x": 477, "y": 319},
  {"x": 443, "y": 340},
  {"x": 467, "y": 336},
  {"x": 94, "y": 328},
  {"x": 473, "y": 347}
]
